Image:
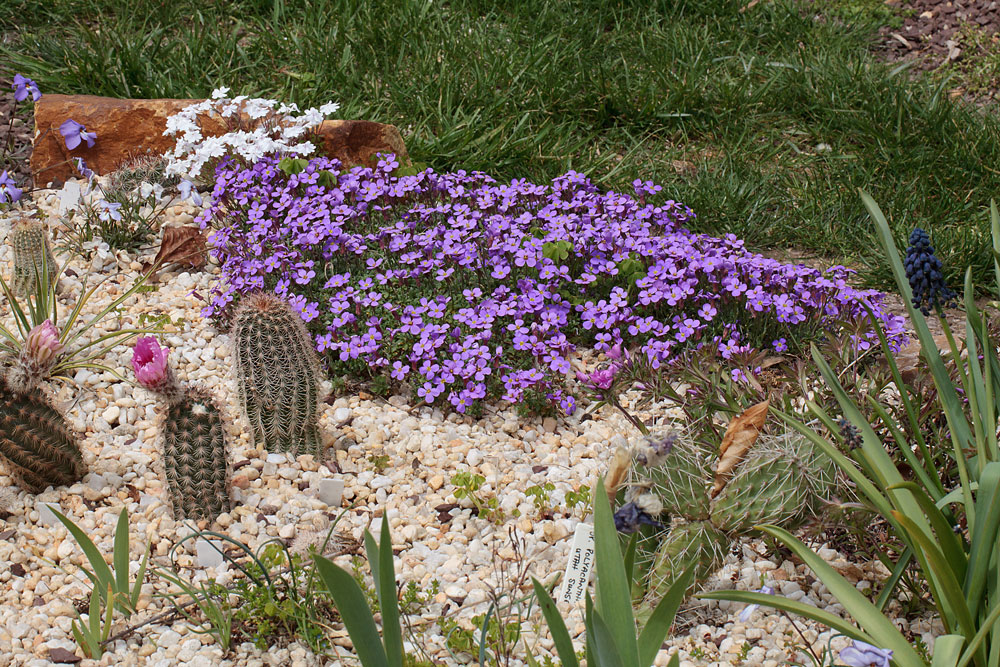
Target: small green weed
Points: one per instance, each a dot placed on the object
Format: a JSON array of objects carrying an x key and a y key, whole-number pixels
[{"x": 467, "y": 486}]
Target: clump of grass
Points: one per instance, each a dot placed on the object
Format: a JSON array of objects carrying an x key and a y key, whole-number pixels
[{"x": 765, "y": 121}]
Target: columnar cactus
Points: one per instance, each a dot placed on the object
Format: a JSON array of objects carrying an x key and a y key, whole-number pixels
[
  {"x": 277, "y": 375},
  {"x": 783, "y": 480},
  {"x": 32, "y": 256},
  {"x": 36, "y": 444},
  {"x": 194, "y": 437}
]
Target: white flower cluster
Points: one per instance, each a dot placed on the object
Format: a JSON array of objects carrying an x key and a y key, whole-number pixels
[{"x": 274, "y": 128}]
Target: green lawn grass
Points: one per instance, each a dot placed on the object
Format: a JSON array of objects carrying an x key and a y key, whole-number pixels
[{"x": 766, "y": 121}]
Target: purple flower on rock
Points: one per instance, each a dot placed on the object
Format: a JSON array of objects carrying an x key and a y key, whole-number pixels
[
  {"x": 860, "y": 654},
  {"x": 75, "y": 133}
]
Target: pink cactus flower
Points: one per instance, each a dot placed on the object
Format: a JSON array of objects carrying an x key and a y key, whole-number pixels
[
  {"x": 43, "y": 343},
  {"x": 149, "y": 361}
]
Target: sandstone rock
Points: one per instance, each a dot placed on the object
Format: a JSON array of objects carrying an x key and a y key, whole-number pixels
[{"x": 132, "y": 127}]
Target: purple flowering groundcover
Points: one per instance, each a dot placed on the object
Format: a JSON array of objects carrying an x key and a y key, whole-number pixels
[{"x": 468, "y": 289}]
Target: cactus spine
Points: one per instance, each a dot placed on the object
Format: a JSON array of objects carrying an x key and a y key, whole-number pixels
[
  {"x": 32, "y": 256},
  {"x": 784, "y": 480},
  {"x": 277, "y": 375},
  {"x": 36, "y": 444},
  {"x": 194, "y": 438}
]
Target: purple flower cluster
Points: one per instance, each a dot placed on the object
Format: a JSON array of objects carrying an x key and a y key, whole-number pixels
[{"x": 467, "y": 288}]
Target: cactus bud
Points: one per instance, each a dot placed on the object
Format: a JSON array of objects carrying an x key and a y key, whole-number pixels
[{"x": 43, "y": 344}]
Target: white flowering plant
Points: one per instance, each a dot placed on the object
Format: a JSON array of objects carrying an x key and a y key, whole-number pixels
[{"x": 256, "y": 128}]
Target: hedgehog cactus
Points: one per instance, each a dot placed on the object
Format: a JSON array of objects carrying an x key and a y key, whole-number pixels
[
  {"x": 32, "y": 256},
  {"x": 36, "y": 444},
  {"x": 277, "y": 375},
  {"x": 783, "y": 480},
  {"x": 194, "y": 437}
]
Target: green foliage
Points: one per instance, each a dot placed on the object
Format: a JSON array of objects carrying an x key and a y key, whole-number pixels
[
  {"x": 293, "y": 165},
  {"x": 212, "y": 601},
  {"x": 467, "y": 487},
  {"x": 557, "y": 251},
  {"x": 277, "y": 375},
  {"x": 90, "y": 636},
  {"x": 371, "y": 650},
  {"x": 950, "y": 535},
  {"x": 124, "y": 594},
  {"x": 612, "y": 637},
  {"x": 579, "y": 498},
  {"x": 540, "y": 496},
  {"x": 112, "y": 589}
]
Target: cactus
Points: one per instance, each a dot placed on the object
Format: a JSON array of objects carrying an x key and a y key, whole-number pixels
[
  {"x": 783, "y": 480},
  {"x": 32, "y": 256},
  {"x": 135, "y": 171},
  {"x": 194, "y": 437},
  {"x": 36, "y": 444},
  {"x": 277, "y": 375}
]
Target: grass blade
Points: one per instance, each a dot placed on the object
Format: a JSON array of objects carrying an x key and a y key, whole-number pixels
[
  {"x": 557, "y": 626},
  {"x": 614, "y": 595},
  {"x": 354, "y": 612}
]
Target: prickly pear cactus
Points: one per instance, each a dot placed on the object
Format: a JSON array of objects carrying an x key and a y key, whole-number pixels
[
  {"x": 37, "y": 446},
  {"x": 783, "y": 480},
  {"x": 194, "y": 457},
  {"x": 277, "y": 375},
  {"x": 32, "y": 256}
]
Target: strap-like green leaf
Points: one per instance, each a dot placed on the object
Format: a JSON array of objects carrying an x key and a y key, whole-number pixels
[
  {"x": 947, "y": 649},
  {"x": 984, "y": 534},
  {"x": 868, "y": 617},
  {"x": 101, "y": 576},
  {"x": 652, "y": 636},
  {"x": 614, "y": 595},
  {"x": 354, "y": 612},
  {"x": 121, "y": 557},
  {"x": 605, "y": 648},
  {"x": 392, "y": 635},
  {"x": 557, "y": 626},
  {"x": 949, "y": 543}
]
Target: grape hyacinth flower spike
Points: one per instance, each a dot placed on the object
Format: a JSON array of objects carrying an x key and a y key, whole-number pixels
[
  {"x": 75, "y": 133},
  {"x": 860, "y": 654},
  {"x": 923, "y": 270}
]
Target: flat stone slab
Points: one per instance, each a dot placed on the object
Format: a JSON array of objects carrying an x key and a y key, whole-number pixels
[{"x": 127, "y": 128}]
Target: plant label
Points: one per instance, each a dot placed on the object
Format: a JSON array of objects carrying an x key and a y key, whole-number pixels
[{"x": 580, "y": 565}]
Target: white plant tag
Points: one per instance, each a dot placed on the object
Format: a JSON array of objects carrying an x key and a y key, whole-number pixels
[
  {"x": 69, "y": 197},
  {"x": 581, "y": 564}
]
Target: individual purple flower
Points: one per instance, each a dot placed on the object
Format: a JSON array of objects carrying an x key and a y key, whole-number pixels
[
  {"x": 149, "y": 361},
  {"x": 82, "y": 168},
  {"x": 780, "y": 345},
  {"x": 109, "y": 211},
  {"x": 75, "y": 133},
  {"x": 751, "y": 608},
  {"x": 9, "y": 192},
  {"x": 23, "y": 86},
  {"x": 860, "y": 654}
]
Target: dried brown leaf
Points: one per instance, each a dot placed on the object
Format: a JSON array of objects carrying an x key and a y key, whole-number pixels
[
  {"x": 617, "y": 472},
  {"x": 739, "y": 438},
  {"x": 182, "y": 245}
]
